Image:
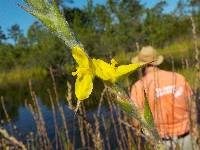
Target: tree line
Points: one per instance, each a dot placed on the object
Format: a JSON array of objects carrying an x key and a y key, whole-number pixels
[{"x": 116, "y": 27}]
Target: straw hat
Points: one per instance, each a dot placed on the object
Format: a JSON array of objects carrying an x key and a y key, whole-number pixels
[{"x": 148, "y": 54}]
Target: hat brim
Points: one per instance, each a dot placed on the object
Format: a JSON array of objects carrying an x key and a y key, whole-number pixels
[{"x": 155, "y": 62}]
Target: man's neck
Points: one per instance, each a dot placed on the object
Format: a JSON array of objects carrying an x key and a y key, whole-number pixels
[{"x": 150, "y": 69}]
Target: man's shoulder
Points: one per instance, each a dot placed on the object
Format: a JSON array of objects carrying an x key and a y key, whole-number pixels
[{"x": 172, "y": 73}]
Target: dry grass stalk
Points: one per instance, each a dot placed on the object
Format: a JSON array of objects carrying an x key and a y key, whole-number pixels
[
  {"x": 6, "y": 114},
  {"x": 106, "y": 128},
  {"x": 64, "y": 122},
  {"x": 40, "y": 123},
  {"x": 54, "y": 85},
  {"x": 81, "y": 129},
  {"x": 4, "y": 109},
  {"x": 121, "y": 129},
  {"x": 57, "y": 132},
  {"x": 90, "y": 131},
  {"x": 98, "y": 138},
  {"x": 194, "y": 33},
  {"x": 194, "y": 123},
  {"x": 86, "y": 133},
  {"x": 69, "y": 95},
  {"x": 129, "y": 136},
  {"x": 101, "y": 100},
  {"x": 113, "y": 121},
  {"x": 12, "y": 139}
]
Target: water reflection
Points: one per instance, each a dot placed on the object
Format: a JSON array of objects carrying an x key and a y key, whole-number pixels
[{"x": 15, "y": 97}]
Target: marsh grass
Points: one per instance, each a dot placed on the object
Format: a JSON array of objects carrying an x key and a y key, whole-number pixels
[
  {"x": 22, "y": 75},
  {"x": 191, "y": 75}
]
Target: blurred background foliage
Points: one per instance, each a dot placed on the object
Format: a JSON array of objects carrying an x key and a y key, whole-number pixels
[{"x": 117, "y": 29}]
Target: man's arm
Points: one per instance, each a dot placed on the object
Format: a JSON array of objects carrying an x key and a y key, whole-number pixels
[{"x": 137, "y": 95}]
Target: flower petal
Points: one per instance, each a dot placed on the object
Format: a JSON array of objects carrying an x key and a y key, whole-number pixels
[
  {"x": 103, "y": 70},
  {"x": 125, "y": 69},
  {"x": 83, "y": 86},
  {"x": 80, "y": 56}
]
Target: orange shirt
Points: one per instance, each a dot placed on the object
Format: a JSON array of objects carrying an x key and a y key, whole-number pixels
[{"x": 168, "y": 94}]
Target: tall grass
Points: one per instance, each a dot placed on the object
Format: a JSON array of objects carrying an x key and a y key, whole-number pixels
[{"x": 22, "y": 75}]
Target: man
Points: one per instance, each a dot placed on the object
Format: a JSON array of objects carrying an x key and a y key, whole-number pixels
[{"x": 168, "y": 94}]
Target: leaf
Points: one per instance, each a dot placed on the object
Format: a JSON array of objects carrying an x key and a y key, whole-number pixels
[
  {"x": 125, "y": 105},
  {"x": 132, "y": 110},
  {"x": 147, "y": 112},
  {"x": 40, "y": 5},
  {"x": 49, "y": 14},
  {"x": 149, "y": 118}
]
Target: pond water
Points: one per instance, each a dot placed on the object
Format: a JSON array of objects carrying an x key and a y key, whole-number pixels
[{"x": 22, "y": 122}]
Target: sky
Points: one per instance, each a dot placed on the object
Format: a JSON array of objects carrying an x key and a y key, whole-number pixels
[{"x": 11, "y": 14}]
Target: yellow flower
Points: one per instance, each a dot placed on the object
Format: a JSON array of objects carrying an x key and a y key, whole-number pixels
[
  {"x": 84, "y": 72},
  {"x": 87, "y": 69}
]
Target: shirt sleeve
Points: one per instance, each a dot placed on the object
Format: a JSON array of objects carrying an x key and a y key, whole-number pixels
[{"x": 137, "y": 95}]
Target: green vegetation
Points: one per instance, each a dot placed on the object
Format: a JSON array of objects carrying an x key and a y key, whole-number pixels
[
  {"x": 19, "y": 76},
  {"x": 191, "y": 75},
  {"x": 110, "y": 30}
]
